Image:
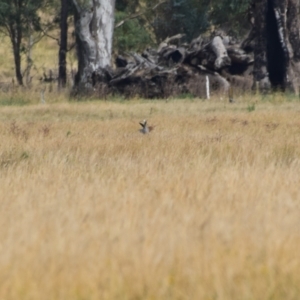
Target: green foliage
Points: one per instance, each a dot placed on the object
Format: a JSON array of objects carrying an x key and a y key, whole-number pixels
[
  {"x": 185, "y": 96},
  {"x": 13, "y": 101},
  {"x": 230, "y": 15},
  {"x": 127, "y": 5},
  {"x": 20, "y": 13},
  {"x": 132, "y": 35},
  {"x": 18, "y": 20},
  {"x": 193, "y": 17},
  {"x": 24, "y": 155},
  {"x": 179, "y": 16},
  {"x": 251, "y": 107}
]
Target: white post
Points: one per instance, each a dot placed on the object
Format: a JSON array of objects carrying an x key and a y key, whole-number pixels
[
  {"x": 257, "y": 87},
  {"x": 207, "y": 88},
  {"x": 43, "y": 101}
]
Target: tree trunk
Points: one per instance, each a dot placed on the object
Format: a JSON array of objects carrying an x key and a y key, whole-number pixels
[
  {"x": 94, "y": 33},
  {"x": 17, "y": 59},
  {"x": 16, "y": 38},
  {"x": 62, "y": 62},
  {"x": 29, "y": 61},
  {"x": 277, "y": 44}
]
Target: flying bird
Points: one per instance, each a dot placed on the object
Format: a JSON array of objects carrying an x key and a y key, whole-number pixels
[{"x": 145, "y": 128}]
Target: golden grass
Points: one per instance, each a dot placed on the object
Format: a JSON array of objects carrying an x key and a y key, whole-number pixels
[{"x": 204, "y": 207}]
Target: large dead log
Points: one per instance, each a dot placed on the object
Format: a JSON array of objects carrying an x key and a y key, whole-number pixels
[
  {"x": 222, "y": 58},
  {"x": 172, "y": 69},
  {"x": 168, "y": 40},
  {"x": 212, "y": 55}
]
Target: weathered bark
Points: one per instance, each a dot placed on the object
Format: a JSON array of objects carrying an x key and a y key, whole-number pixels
[
  {"x": 220, "y": 51},
  {"x": 260, "y": 72},
  {"x": 29, "y": 61},
  {"x": 94, "y": 33},
  {"x": 277, "y": 44},
  {"x": 293, "y": 27},
  {"x": 213, "y": 55},
  {"x": 16, "y": 38},
  {"x": 167, "y": 41},
  {"x": 173, "y": 70},
  {"x": 62, "y": 62},
  {"x": 17, "y": 59}
]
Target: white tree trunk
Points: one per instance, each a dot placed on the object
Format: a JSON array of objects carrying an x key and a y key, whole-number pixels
[
  {"x": 104, "y": 19},
  {"x": 94, "y": 30}
]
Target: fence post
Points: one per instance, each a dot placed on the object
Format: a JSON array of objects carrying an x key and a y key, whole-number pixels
[{"x": 207, "y": 88}]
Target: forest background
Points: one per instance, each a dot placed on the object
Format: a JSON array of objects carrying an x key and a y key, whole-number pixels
[{"x": 139, "y": 24}]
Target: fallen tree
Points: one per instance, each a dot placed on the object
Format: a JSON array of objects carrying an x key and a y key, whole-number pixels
[{"x": 174, "y": 68}]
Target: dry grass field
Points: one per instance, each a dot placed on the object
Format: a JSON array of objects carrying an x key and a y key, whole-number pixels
[{"x": 207, "y": 206}]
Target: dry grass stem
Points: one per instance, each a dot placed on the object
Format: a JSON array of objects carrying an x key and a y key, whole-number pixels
[{"x": 204, "y": 207}]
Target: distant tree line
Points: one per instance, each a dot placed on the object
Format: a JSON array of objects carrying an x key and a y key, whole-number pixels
[{"x": 139, "y": 23}]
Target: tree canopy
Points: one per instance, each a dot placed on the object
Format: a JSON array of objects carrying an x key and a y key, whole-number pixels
[
  {"x": 143, "y": 22},
  {"x": 170, "y": 17},
  {"x": 18, "y": 18}
]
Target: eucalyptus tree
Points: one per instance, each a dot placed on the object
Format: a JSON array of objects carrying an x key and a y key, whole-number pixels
[
  {"x": 94, "y": 27},
  {"x": 276, "y": 43},
  {"x": 17, "y": 19}
]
